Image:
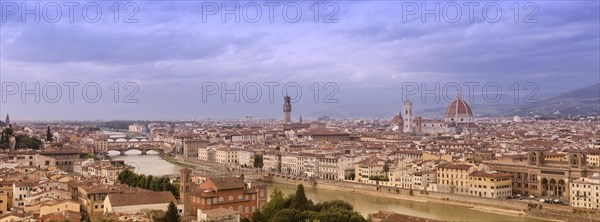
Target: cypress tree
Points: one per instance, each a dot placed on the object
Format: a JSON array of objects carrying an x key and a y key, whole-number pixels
[
  {"x": 299, "y": 202},
  {"x": 48, "y": 135},
  {"x": 172, "y": 215}
]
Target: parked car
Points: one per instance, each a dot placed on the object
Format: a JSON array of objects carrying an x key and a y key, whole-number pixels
[{"x": 557, "y": 202}]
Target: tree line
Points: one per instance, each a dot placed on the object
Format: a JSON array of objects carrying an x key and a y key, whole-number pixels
[
  {"x": 297, "y": 208},
  {"x": 148, "y": 182},
  {"x": 22, "y": 141}
]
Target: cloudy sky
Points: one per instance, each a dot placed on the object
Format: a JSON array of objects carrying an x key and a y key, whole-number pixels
[{"x": 352, "y": 62}]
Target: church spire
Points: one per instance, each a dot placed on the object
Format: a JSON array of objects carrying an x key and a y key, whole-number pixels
[{"x": 7, "y": 119}]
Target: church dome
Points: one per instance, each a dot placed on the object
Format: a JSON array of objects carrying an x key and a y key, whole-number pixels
[
  {"x": 397, "y": 120},
  {"x": 458, "y": 108}
]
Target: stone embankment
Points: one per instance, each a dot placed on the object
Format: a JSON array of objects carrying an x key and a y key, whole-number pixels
[{"x": 500, "y": 206}]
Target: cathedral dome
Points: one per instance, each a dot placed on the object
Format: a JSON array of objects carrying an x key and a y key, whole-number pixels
[
  {"x": 397, "y": 120},
  {"x": 458, "y": 108}
]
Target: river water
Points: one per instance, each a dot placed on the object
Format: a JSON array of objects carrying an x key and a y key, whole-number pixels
[{"x": 152, "y": 164}]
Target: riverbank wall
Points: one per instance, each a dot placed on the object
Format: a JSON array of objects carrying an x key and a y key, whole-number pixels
[{"x": 500, "y": 206}]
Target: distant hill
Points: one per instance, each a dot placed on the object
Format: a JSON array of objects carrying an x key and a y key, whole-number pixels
[
  {"x": 582, "y": 101},
  {"x": 2, "y": 123}
]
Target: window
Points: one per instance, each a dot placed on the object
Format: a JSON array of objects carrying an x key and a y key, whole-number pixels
[
  {"x": 221, "y": 199},
  {"x": 240, "y": 197}
]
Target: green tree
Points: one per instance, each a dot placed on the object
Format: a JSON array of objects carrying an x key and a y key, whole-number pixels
[
  {"x": 386, "y": 167},
  {"x": 299, "y": 201},
  {"x": 8, "y": 131},
  {"x": 286, "y": 215},
  {"x": 258, "y": 161},
  {"x": 273, "y": 206},
  {"x": 26, "y": 142},
  {"x": 148, "y": 182},
  {"x": 172, "y": 214},
  {"x": 49, "y": 135},
  {"x": 280, "y": 209}
]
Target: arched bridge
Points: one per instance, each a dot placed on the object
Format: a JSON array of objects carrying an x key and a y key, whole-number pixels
[
  {"x": 144, "y": 150},
  {"x": 122, "y": 147}
]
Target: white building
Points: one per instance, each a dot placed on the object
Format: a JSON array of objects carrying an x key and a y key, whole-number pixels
[
  {"x": 137, "y": 128},
  {"x": 289, "y": 164},
  {"x": 585, "y": 192},
  {"x": 272, "y": 162},
  {"x": 328, "y": 167},
  {"x": 246, "y": 157},
  {"x": 207, "y": 154},
  {"x": 227, "y": 156}
]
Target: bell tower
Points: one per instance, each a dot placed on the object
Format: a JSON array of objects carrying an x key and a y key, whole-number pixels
[
  {"x": 184, "y": 190},
  {"x": 408, "y": 119},
  {"x": 287, "y": 110}
]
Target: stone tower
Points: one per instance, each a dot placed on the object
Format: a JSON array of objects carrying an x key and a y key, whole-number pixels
[
  {"x": 577, "y": 159},
  {"x": 7, "y": 120},
  {"x": 287, "y": 110},
  {"x": 184, "y": 190},
  {"x": 408, "y": 119}
]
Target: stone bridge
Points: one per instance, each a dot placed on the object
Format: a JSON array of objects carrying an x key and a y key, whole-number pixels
[
  {"x": 144, "y": 150},
  {"x": 102, "y": 146}
]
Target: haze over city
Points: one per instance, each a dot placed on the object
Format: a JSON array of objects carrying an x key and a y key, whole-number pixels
[
  {"x": 367, "y": 48},
  {"x": 300, "y": 111}
]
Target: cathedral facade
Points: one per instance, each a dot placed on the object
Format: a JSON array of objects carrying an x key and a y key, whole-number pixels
[{"x": 457, "y": 118}]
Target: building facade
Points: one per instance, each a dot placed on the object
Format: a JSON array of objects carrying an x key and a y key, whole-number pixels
[{"x": 585, "y": 192}]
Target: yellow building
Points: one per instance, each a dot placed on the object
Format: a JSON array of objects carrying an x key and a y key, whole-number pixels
[
  {"x": 490, "y": 184},
  {"x": 3, "y": 202},
  {"x": 6, "y": 196},
  {"x": 454, "y": 178}
]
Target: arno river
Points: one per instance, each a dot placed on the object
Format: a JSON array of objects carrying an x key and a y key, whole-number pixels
[{"x": 365, "y": 204}]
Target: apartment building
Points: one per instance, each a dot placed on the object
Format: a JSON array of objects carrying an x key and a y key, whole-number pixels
[
  {"x": 369, "y": 167},
  {"x": 585, "y": 192},
  {"x": 246, "y": 157},
  {"x": 272, "y": 161},
  {"x": 229, "y": 193},
  {"x": 454, "y": 178},
  {"x": 227, "y": 155},
  {"x": 490, "y": 184}
]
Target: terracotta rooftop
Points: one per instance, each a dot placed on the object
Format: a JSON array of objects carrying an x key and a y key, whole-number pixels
[
  {"x": 227, "y": 183},
  {"x": 128, "y": 199}
]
